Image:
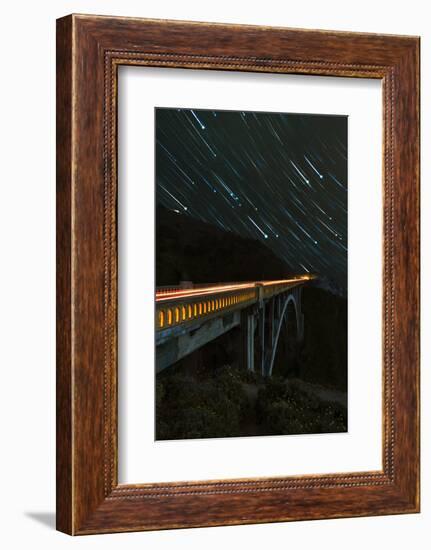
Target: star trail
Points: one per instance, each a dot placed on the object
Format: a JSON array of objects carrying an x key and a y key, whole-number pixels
[{"x": 279, "y": 178}]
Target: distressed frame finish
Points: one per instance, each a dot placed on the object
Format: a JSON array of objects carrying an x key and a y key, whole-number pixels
[{"x": 89, "y": 51}]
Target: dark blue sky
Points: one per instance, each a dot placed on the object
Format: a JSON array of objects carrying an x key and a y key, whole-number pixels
[{"x": 277, "y": 177}]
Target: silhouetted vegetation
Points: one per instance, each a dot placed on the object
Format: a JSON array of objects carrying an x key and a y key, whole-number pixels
[
  {"x": 230, "y": 403},
  {"x": 284, "y": 409},
  {"x": 191, "y": 408}
]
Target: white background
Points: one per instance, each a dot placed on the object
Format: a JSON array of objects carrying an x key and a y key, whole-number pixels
[
  {"x": 27, "y": 125},
  {"x": 143, "y": 460}
]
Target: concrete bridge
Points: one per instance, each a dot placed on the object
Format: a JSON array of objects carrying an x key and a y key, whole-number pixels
[{"x": 189, "y": 316}]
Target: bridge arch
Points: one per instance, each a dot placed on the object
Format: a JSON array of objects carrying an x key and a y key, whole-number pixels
[{"x": 294, "y": 299}]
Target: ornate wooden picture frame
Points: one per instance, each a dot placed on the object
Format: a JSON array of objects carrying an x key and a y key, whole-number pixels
[{"x": 89, "y": 51}]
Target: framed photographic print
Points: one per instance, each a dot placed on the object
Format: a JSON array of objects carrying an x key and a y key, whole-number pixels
[{"x": 237, "y": 274}]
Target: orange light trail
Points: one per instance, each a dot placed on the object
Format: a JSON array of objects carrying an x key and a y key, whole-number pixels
[
  {"x": 203, "y": 291},
  {"x": 184, "y": 293}
]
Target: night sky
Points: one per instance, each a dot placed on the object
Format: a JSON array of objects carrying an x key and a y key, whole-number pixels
[{"x": 277, "y": 177}]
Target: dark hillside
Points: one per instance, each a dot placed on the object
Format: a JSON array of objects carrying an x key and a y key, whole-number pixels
[
  {"x": 191, "y": 250},
  {"x": 323, "y": 355}
]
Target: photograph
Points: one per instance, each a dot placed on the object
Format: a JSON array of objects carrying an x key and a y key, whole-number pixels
[{"x": 251, "y": 297}]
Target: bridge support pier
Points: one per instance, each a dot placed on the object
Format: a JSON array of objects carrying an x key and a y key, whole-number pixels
[
  {"x": 248, "y": 329},
  {"x": 271, "y": 322},
  {"x": 250, "y": 342},
  {"x": 262, "y": 338}
]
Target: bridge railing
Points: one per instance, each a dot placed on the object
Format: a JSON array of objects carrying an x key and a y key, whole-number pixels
[{"x": 187, "y": 309}]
